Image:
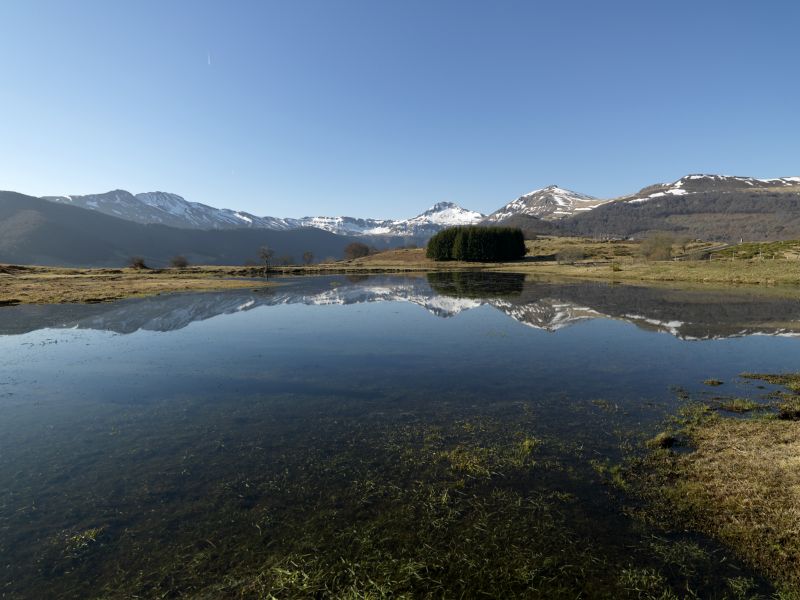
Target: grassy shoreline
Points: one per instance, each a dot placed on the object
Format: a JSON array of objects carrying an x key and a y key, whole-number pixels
[
  {"x": 734, "y": 477},
  {"x": 549, "y": 258},
  {"x": 603, "y": 261},
  {"x": 53, "y": 285}
]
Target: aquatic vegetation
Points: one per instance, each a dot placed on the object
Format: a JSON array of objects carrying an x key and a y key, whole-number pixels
[
  {"x": 740, "y": 405},
  {"x": 713, "y": 382},
  {"x": 75, "y": 543},
  {"x": 789, "y": 409},
  {"x": 788, "y": 404},
  {"x": 605, "y": 405},
  {"x": 348, "y": 504},
  {"x": 663, "y": 440},
  {"x": 299, "y": 466},
  {"x": 790, "y": 381}
]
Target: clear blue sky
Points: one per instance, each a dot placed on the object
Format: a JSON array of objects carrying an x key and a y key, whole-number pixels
[{"x": 381, "y": 108}]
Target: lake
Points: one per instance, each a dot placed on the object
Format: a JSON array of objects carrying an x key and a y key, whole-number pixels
[{"x": 442, "y": 435}]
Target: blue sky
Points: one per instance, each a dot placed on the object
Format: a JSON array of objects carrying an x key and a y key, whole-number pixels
[{"x": 378, "y": 108}]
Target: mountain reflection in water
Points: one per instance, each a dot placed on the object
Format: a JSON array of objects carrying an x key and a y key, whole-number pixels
[{"x": 686, "y": 314}]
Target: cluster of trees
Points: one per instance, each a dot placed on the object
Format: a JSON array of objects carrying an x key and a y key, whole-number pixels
[
  {"x": 266, "y": 254},
  {"x": 477, "y": 244}
]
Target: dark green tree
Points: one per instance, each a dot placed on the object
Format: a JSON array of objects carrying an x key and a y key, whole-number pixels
[{"x": 477, "y": 244}]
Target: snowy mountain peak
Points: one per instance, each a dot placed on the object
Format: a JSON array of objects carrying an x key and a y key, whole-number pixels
[
  {"x": 447, "y": 213},
  {"x": 440, "y": 206},
  {"x": 549, "y": 203}
]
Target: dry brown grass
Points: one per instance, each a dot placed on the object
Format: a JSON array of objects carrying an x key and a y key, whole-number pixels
[
  {"x": 739, "y": 484},
  {"x": 742, "y": 485},
  {"x": 602, "y": 260},
  {"x": 615, "y": 261},
  {"x": 44, "y": 285}
]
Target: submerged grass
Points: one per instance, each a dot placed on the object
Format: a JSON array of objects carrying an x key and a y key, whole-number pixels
[
  {"x": 740, "y": 405},
  {"x": 347, "y": 503}
]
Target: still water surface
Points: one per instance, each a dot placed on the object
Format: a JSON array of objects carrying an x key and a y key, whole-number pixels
[{"x": 385, "y": 435}]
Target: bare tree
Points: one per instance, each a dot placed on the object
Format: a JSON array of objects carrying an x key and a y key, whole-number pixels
[
  {"x": 355, "y": 250},
  {"x": 308, "y": 257},
  {"x": 137, "y": 262},
  {"x": 179, "y": 262},
  {"x": 657, "y": 246},
  {"x": 683, "y": 241},
  {"x": 265, "y": 253}
]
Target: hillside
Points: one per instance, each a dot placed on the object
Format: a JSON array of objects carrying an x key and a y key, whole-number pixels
[
  {"x": 710, "y": 207},
  {"x": 39, "y": 232}
]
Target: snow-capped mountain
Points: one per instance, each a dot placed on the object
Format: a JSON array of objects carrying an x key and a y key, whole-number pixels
[
  {"x": 170, "y": 209},
  {"x": 550, "y": 203},
  {"x": 436, "y": 218},
  {"x": 701, "y": 183},
  {"x": 344, "y": 225},
  {"x": 577, "y": 213}
]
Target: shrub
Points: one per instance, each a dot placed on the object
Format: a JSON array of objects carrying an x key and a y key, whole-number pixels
[
  {"x": 355, "y": 250},
  {"x": 570, "y": 255},
  {"x": 137, "y": 262},
  {"x": 657, "y": 246},
  {"x": 477, "y": 244},
  {"x": 179, "y": 262}
]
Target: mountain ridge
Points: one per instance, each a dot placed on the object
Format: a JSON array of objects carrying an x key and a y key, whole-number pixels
[
  {"x": 165, "y": 208},
  {"x": 39, "y": 232}
]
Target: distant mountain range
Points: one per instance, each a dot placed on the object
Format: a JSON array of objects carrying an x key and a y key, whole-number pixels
[
  {"x": 551, "y": 204},
  {"x": 35, "y": 231},
  {"x": 163, "y": 208},
  {"x": 105, "y": 229}
]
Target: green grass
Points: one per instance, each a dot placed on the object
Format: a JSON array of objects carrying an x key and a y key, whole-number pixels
[
  {"x": 761, "y": 250},
  {"x": 740, "y": 405}
]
